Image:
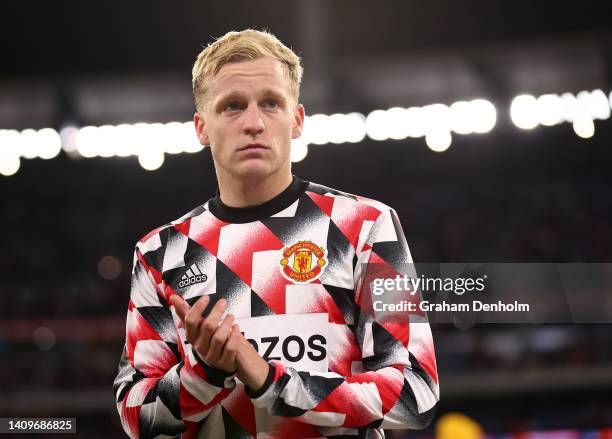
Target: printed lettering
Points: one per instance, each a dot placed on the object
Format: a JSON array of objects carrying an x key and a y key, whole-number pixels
[
  {"x": 301, "y": 348},
  {"x": 320, "y": 348},
  {"x": 273, "y": 342}
]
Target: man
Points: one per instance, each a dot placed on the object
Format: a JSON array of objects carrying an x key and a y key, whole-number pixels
[{"x": 251, "y": 316}]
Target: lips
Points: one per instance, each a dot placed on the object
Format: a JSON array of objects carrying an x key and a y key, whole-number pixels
[{"x": 253, "y": 147}]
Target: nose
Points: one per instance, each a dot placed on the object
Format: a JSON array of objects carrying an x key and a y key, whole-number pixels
[{"x": 253, "y": 123}]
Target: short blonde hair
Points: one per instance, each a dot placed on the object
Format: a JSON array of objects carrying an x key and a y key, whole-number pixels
[{"x": 239, "y": 46}]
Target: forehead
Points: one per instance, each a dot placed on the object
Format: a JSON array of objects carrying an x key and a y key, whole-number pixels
[{"x": 248, "y": 75}]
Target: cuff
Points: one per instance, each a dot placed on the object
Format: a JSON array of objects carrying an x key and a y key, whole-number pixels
[
  {"x": 253, "y": 394},
  {"x": 215, "y": 376}
]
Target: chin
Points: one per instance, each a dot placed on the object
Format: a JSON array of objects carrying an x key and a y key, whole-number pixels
[{"x": 254, "y": 170}]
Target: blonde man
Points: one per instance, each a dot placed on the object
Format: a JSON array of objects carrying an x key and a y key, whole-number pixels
[{"x": 251, "y": 316}]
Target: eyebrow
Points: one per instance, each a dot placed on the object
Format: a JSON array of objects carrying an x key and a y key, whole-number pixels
[{"x": 239, "y": 95}]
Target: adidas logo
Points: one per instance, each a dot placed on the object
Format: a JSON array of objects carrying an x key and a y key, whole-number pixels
[{"x": 192, "y": 276}]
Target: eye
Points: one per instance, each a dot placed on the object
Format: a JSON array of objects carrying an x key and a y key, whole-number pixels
[
  {"x": 232, "y": 106},
  {"x": 270, "y": 103}
]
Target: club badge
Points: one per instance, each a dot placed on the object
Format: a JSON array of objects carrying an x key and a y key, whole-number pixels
[{"x": 303, "y": 261}]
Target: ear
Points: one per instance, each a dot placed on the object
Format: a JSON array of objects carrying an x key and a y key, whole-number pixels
[
  {"x": 298, "y": 121},
  {"x": 201, "y": 129}
]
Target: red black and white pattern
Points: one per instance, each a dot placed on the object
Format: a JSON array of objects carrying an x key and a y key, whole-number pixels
[{"x": 374, "y": 370}]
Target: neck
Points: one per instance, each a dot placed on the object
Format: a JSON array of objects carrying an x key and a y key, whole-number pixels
[{"x": 245, "y": 192}]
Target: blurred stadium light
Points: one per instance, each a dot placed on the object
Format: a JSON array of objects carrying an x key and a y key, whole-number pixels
[
  {"x": 435, "y": 122},
  {"x": 527, "y": 111}
]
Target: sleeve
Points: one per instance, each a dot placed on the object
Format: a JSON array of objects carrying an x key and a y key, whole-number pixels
[
  {"x": 398, "y": 387},
  {"x": 162, "y": 387}
]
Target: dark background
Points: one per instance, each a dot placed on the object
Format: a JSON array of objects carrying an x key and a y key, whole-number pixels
[{"x": 542, "y": 195}]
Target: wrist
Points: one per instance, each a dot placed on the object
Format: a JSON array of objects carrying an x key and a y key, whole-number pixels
[
  {"x": 214, "y": 375},
  {"x": 256, "y": 392},
  {"x": 254, "y": 373}
]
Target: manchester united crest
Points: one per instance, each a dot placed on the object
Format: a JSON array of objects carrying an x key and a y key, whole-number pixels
[{"x": 303, "y": 261}]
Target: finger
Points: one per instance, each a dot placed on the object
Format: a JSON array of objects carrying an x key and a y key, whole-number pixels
[
  {"x": 245, "y": 350},
  {"x": 208, "y": 326},
  {"x": 228, "y": 357},
  {"x": 211, "y": 323},
  {"x": 216, "y": 312},
  {"x": 219, "y": 338},
  {"x": 194, "y": 319},
  {"x": 200, "y": 305},
  {"x": 181, "y": 307}
]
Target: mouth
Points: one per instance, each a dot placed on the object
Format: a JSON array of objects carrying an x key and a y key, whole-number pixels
[{"x": 253, "y": 147}]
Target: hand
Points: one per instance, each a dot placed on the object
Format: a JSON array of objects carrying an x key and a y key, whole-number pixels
[
  {"x": 252, "y": 368},
  {"x": 215, "y": 343}
]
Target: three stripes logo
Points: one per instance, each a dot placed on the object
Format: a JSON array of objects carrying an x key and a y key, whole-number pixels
[{"x": 192, "y": 276}]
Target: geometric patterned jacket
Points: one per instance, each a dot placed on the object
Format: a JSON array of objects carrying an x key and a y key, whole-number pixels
[{"x": 296, "y": 272}]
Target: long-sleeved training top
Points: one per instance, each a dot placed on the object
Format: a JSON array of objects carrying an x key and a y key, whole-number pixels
[{"x": 296, "y": 272}]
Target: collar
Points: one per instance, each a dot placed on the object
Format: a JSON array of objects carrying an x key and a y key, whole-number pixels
[{"x": 260, "y": 211}]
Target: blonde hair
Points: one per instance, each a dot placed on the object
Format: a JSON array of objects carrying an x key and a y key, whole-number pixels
[{"x": 239, "y": 46}]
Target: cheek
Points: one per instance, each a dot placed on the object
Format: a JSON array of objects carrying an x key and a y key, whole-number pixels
[
  {"x": 287, "y": 126},
  {"x": 217, "y": 138},
  {"x": 218, "y": 149}
]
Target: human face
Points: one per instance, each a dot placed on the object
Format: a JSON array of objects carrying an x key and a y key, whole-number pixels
[{"x": 249, "y": 119}]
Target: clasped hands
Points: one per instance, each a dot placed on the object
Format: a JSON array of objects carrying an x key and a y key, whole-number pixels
[{"x": 221, "y": 344}]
